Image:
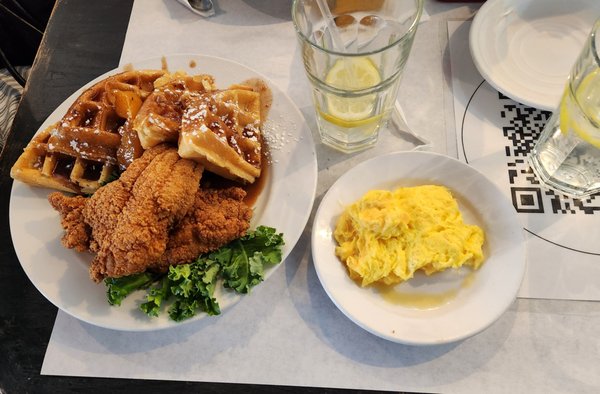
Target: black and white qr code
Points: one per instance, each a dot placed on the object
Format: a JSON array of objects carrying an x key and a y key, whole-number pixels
[{"x": 521, "y": 126}]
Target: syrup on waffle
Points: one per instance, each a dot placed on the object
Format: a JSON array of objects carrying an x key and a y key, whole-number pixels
[
  {"x": 221, "y": 130},
  {"x": 80, "y": 152},
  {"x": 159, "y": 118}
]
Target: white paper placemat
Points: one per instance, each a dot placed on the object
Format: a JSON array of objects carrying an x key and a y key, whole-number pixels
[
  {"x": 287, "y": 331},
  {"x": 495, "y": 134}
]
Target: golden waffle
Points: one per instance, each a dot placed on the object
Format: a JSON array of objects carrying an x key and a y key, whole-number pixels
[
  {"x": 222, "y": 131},
  {"x": 159, "y": 118},
  {"x": 80, "y": 152}
]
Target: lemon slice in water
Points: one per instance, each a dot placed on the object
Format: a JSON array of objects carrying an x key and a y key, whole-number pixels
[
  {"x": 352, "y": 74},
  {"x": 586, "y": 124}
]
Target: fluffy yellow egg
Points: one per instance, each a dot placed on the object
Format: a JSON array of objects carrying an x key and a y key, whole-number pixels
[{"x": 387, "y": 236}]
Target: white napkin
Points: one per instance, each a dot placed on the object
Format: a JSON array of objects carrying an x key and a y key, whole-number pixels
[{"x": 400, "y": 123}]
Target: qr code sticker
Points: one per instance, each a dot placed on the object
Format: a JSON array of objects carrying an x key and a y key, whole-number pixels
[{"x": 521, "y": 126}]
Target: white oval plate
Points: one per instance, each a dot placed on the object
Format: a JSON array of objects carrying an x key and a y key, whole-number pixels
[
  {"x": 285, "y": 203},
  {"x": 472, "y": 301},
  {"x": 526, "y": 48}
]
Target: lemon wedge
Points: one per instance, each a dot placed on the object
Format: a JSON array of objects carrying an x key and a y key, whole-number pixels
[
  {"x": 351, "y": 74},
  {"x": 585, "y": 120}
]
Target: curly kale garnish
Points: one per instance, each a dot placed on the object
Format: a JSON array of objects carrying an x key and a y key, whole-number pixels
[{"x": 239, "y": 264}]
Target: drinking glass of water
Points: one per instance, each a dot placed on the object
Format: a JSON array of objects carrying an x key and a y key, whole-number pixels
[
  {"x": 567, "y": 155},
  {"x": 354, "y": 53}
]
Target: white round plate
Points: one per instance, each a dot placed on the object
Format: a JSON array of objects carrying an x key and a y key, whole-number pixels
[
  {"x": 526, "y": 48},
  {"x": 466, "y": 301},
  {"x": 285, "y": 203}
]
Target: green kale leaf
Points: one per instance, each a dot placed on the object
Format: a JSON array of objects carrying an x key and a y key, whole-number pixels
[
  {"x": 245, "y": 261},
  {"x": 119, "y": 288},
  {"x": 155, "y": 297},
  {"x": 193, "y": 286}
]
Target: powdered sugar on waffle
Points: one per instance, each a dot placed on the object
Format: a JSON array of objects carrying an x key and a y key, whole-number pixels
[{"x": 277, "y": 135}]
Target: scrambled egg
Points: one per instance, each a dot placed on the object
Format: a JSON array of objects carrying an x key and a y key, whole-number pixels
[{"x": 387, "y": 236}]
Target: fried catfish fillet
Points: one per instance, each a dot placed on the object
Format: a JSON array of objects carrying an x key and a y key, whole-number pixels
[
  {"x": 218, "y": 217},
  {"x": 131, "y": 217},
  {"x": 152, "y": 217},
  {"x": 77, "y": 233}
]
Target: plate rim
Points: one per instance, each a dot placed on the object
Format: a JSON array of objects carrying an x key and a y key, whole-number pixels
[
  {"x": 520, "y": 248},
  {"x": 306, "y": 139}
]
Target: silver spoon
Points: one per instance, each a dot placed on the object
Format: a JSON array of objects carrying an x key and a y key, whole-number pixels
[{"x": 201, "y": 5}]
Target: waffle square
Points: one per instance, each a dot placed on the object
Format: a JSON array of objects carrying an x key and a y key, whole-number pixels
[
  {"x": 81, "y": 152},
  {"x": 159, "y": 118},
  {"x": 221, "y": 130}
]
